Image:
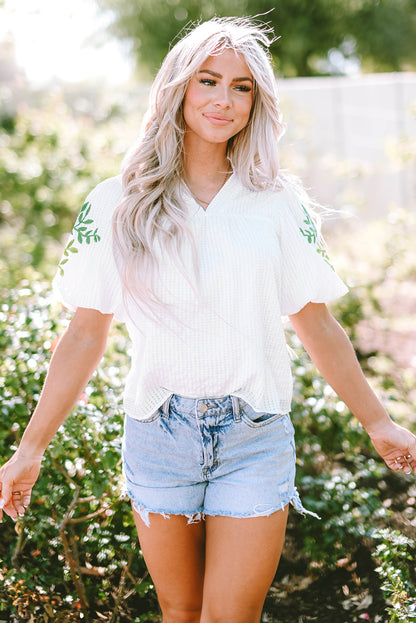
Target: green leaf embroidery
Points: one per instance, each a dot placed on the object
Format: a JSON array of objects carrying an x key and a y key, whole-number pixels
[
  {"x": 80, "y": 227},
  {"x": 311, "y": 234},
  {"x": 322, "y": 251},
  {"x": 82, "y": 233}
]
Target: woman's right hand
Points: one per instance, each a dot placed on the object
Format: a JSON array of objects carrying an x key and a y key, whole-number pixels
[{"x": 17, "y": 478}]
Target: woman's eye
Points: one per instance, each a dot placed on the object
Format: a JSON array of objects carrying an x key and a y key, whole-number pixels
[
  {"x": 243, "y": 88},
  {"x": 207, "y": 82}
]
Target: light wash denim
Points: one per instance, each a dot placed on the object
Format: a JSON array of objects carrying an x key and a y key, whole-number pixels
[{"x": 210, "y": 456}]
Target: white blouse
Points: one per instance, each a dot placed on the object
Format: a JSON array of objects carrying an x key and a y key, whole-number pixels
[{"x": 260, "y": 258}]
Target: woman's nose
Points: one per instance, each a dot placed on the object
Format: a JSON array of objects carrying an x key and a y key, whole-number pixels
[{"x": 222, "y": 98}]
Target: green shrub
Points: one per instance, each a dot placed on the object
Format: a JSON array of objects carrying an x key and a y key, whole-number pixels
[
  {"x": 76, "y": 548},
  {"x": 395, "y": 554},
  {"x": 50, "y": 159},
  {"x": 337, "y": 469}
]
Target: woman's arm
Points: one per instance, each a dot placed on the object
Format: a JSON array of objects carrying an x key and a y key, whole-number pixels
[
  {"x": 74, "y": 360},
  {"x": 332, "y": 352}
]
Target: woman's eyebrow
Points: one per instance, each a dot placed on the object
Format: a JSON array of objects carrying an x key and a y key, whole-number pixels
[{"x": 217, "y": 75}]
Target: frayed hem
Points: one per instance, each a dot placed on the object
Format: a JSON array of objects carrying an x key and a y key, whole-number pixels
[
  {"x": 144, "y": 514},
  {"x": 260, "y": 510},
  {"x": 296, "y": 502},
  {"x": 256, "y": 513}
]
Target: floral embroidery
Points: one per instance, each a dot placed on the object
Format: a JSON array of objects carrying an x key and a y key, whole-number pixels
[
  {"x": 81, "y": 226},
  {"x": 311, "y": 234},
  {"x": 68, "y": 249},
  {"x": 82, "y": 233}
]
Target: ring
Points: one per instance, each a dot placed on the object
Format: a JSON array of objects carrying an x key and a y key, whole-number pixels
[
  {"x": 403, "y": 459},
  {"x": 17, "y": 493}
]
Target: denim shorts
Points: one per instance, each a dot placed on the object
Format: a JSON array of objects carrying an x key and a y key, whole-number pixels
[{"x": 218, "y": 456}]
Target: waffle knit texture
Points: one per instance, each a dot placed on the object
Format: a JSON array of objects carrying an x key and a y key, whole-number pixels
[{"x": 260, "y": 259}]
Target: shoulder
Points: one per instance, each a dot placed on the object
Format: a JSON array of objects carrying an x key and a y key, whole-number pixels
[
  {"x": 108, "y": 191},
  {"x": 289, "y": 202},
  {"x": 283, "y": 203},
  {"x": 95, "y": 217},
  {"x": 103, "y": 199},
  {"x": 272, "y": 197},
  {"x": 277, "y": 201}
]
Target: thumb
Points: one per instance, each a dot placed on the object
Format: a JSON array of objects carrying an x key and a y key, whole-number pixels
[{"x": 6, "y": 494}]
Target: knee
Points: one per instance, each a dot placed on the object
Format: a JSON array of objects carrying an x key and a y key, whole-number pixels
[
  {"x": 179, "y": 615},
  {"x": 234, "y": 615}
]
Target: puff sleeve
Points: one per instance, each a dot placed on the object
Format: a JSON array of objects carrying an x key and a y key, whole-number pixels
[
  {"x": 87, "y": 274},
  {"x": 307, "y": 275}
]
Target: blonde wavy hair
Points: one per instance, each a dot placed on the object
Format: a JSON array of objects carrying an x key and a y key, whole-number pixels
[{"x": 150, "y": 217}]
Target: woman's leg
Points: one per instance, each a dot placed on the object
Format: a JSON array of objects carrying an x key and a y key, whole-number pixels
[
  {"x": 241, "y": 559},
  {"x": 174, "y": 552}
]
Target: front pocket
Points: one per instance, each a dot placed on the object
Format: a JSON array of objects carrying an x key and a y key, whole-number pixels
[
  {"x": 155, "y": 416},
  {"x": 256, "y": 420}
]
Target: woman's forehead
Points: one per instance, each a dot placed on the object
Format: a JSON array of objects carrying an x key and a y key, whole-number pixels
[{"x": 226, "y": 60}]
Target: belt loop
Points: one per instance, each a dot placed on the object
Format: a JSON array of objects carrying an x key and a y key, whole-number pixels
[
  {"x": 166, "y": 406},
  {"x": 236, "y": 408}
]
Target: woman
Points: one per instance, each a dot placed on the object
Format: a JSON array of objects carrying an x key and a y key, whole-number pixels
[{"x": 201, "y": 247}]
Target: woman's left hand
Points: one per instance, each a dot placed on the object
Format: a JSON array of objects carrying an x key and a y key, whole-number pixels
[{"x": 397, "y": 446}]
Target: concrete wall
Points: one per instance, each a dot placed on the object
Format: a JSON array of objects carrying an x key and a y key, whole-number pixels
[{"x": 353, "y": 140}]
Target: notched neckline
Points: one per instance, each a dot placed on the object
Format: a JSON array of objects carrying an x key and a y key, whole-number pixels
[{"x": 214, "y": 200}]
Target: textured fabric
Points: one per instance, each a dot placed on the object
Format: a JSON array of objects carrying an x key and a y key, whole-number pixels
[
  {"x": 87, "y": 274},
  {"x": 259, "y": 259}
]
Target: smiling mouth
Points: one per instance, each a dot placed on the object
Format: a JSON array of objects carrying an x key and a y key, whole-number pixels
[{"x": 217, "y": 119}]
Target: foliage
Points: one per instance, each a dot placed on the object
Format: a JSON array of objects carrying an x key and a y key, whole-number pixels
[
  {"x": 340, "y": 475},
  {"x": 49, "y": 160},
  {"x": 381, "y": 32},
  {"x": 396, "y": 554},
  {"x": 337, "y": 470},
  {"x": 76, "y": 548}
]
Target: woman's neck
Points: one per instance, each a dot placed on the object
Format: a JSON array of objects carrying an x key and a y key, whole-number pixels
[
  {"x": 206, "y": 159},
  {"x": 206, "y": 169}
]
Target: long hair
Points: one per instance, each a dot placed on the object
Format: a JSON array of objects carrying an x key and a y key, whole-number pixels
[{"x": 149, "y": 218}]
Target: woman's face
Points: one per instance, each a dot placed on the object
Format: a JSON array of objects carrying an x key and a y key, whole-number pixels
[{"x": 219, "y": 98}]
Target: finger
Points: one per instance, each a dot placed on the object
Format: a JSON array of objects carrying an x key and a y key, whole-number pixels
[
  {"x": 26, "y": 495},
  {"x": 6, "y": 502},
  {"x": 411, "y": 462},
  {"x": 404, "y": 463},
  {"x": 396, "y": 465},
  {"x": 17, "y": 498}
]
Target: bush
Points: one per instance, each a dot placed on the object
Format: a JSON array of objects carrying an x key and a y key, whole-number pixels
[
  {"x": 50, "y": 158},
  {"x": 395, "y": 554},
  {"x": 337, "y": 470},
  {"x": 75, "y": 550}
]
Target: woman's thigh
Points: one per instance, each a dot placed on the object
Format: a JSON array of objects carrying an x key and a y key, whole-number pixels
[
  {"x": 241, "y": 558},
  {"x": 174, "y": 552}
]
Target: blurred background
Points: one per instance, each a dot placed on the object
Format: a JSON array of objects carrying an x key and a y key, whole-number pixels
[
  {"x": 76, "y": 75},
  {"x": 74, "y": 81}
]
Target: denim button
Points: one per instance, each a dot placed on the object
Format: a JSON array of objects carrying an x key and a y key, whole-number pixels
[{"x": 203, "y": 408}]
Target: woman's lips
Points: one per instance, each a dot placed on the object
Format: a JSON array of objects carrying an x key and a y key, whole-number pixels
[{"x": 216, "y": 119}]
